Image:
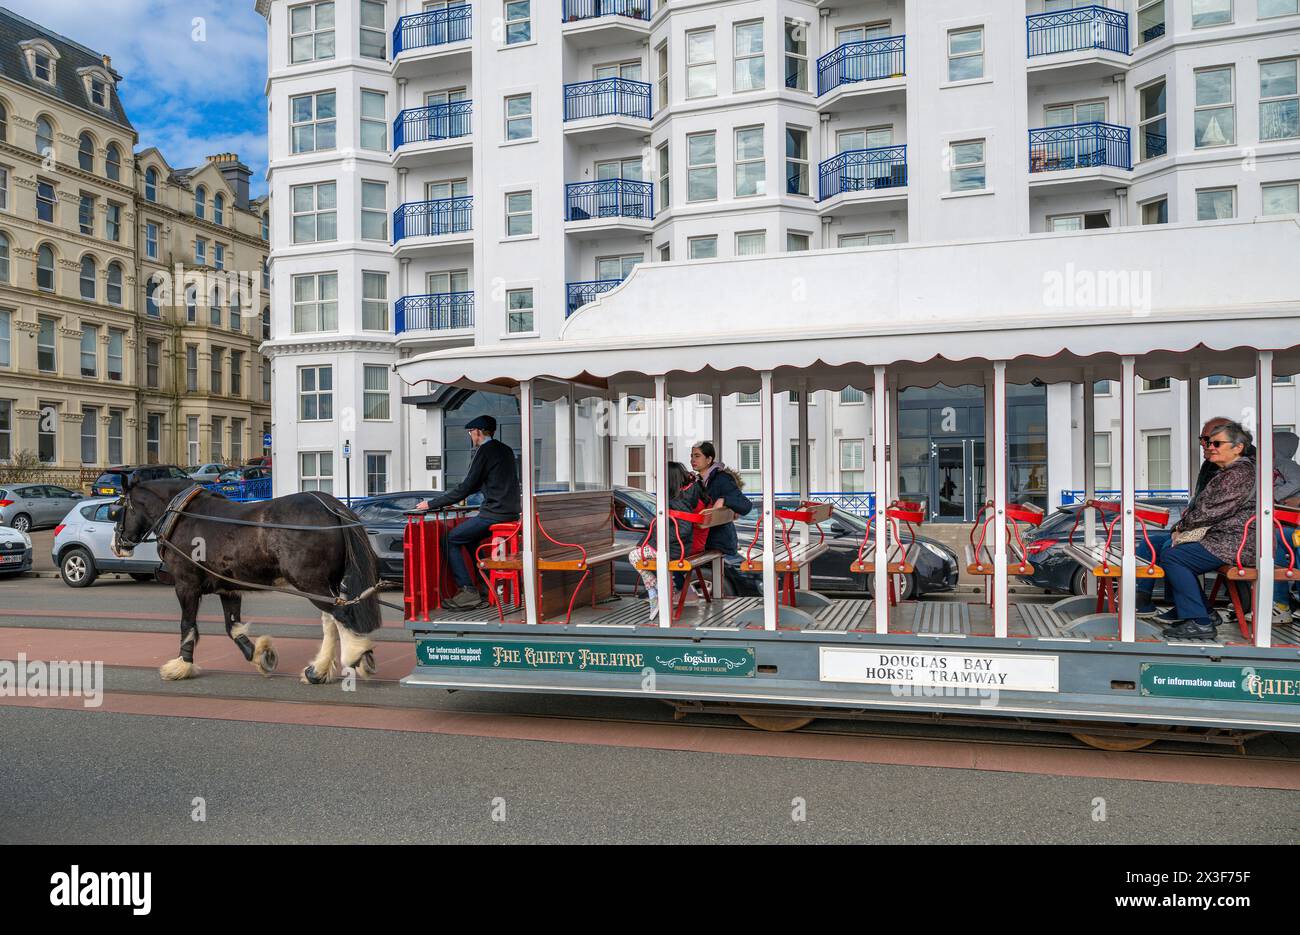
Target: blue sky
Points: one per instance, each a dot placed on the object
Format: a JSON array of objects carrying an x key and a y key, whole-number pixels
[{"x": 191, "y": 89}]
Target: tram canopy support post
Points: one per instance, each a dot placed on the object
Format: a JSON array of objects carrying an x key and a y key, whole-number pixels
[
  {"x": 1128, "y": 483},
  {"x": 998, "y": 461},
  {"x": 663, "y": 576},
  {"x": 572, "y": 406},
  {"x": 880, "y": 443},
  {"x": 767, "y": 442},
  {"x": 805, "y": 478},
  {"x": 1194, "y": 455},
  {"x": 1089, "y": 464},
  {"x": 528, "y": 503},
  {"x": 716, "y": 416},
  {"x": 1264, "y": 498},
  {"x": 893, "y": 432}
]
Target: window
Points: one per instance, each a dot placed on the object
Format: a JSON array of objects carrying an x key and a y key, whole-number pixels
[
  {"x": 1092, "y": 220},
  {"x": 4, "y": 258},
  {"x": 315, "y": 394},
  {"x": 86, "y": 214},
  {"x": 751, "y": 174},
  {"x": 519, "y": 117},
  {"x": 152, "y": 362},
  {"x": 701, "y": 167},
  {"x": 113, "y": 222},
  {"x": 113, "y": 162},
  {"x": 266, "y": 323},
  {"x": 214, "y": 306},
  {"x": 4, "y": 183},
  {"x": 43, "y": 67},
  {"x": 113, "y": 287},
  {"x": 314, "y": 211},
  {"x": 519, "y": 214},
  {"x": 6, "y": 338},
  {"x": 1159, "y": 384},
  {"x": 374, "y": 121},
  {"x": 748, "y": 56},
  {"x": 235, "y": 311},
  {"x": 1214, "y": 204},
  {"x": 115, "y": 419},
  {"x": 1215, "y": 114},
  {"x": 1156, "y": 212},
  {"x": 236, "y": 373},
  {"x": 665, "y": 252},
  {"x": 191, "y": 304},
  {"x": 191, "y": 368},
  {"x": 116, "y": 355},
  {"x": 88, "y": 278},
  {"x": 797, "y": 243},
  {"x": 701, "y": 64},
  {"x": 47, "y": 431},
  {"x": 751, "y": 243},
  {"x": 192, "y": 440},
  {"x": 375, "y": 400},
  {"x": 519, "y": 311},
  {"x": 266, "y": 225},
  {"x": 215, "y": 370},
  {"x": 374, "y": 301},
  {"x": 200, "y": 202},
  {"x": 1279, "y": 102},
  {"x": 316, "y": 471},
  {"x": 6, "y": 430},
  {"x": 519, "y": 26},
  {"x": 45, "y": 268},
  {"x": 312, "y": 121},
  {"x": 44, "y": 137},
  {"x": 152, "y": 305},
  {"x": 665, "y": 199},
  {"x": 1159, "y": 475},
  {"x": 967, "y": 173},
  {"x": 151, "y": 240},
  {"x": 46, "y": 357},
  {"x": 1154, "y": 129},
  {"x": 636, "y": 475},
  {"x": 218, "y": 436},
  {"x": 617, "y": 267},
  {"x": 965, "y": 54},
  {"x": 311, "y": 32},
  {"x": 374, "y": 211},
  {"x": 1281, "y": 198},
  {"x": 219, "y": 255},
  {"x": 89, "y": 435},
  {"x": 85, "y": 153},
  {"x": 373, "y": 37},
  {"x": 4, "y": 122},
  {"x": 1211, "y": 13},
  {"x": 1220, "y": 380},
  {"x": 661, "y": 58},
  {"x": 796, "y": 54},
  {"x": 1269, "y": 8},
  {"x": 315, "y": 302},
  {"x": 219, "y": 209},
  {"x": 702, "y": 248},
  {"x": 200, "y": 251},
  {"x": 151, "y": 184},
  {"x": 266, "y": 380},
  {"x": 1101, "y": 461},
  {"x": 236, "y": 440},
  {"x": 853, "y": 471},
  {"x": 796, "y": 161},
  {"x": 90, "y": 350},
  {"x": 44, "y": 201}
]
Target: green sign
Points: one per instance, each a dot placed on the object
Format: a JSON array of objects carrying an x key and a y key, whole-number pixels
[
  {"x": 1222, "y": 682},
  {"x": 731, "y": 661}
]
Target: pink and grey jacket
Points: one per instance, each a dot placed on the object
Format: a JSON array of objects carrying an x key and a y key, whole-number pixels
[{"x": 1224, "y": 506}]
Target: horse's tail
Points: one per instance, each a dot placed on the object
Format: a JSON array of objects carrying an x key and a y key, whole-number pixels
[{"x": 360, "y": 573}]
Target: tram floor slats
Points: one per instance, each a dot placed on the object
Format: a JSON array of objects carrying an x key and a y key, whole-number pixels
[
  {"x": 1287, "y": 633},
  {"x": 947, "y": 617},
  {"x": 485, "y": 614},
  {"x": 630, "y": 613},
  {"x": 717, "y": 615},
  {"x": 1038, "y": 620},
  {"x": 842, "y": 616}
]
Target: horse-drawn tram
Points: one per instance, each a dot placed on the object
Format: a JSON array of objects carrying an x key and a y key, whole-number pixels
[{"x": 991, "y": 314}]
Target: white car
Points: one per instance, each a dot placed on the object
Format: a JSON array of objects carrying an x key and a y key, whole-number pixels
[
  {"x": 15, "y": 551},
  {"x": 82, "y": 547}
]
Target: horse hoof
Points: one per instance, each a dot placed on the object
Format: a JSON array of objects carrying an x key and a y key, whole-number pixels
[
  {"x": 174, "y": 670},
  {"x": 367, "y": 662},
  {"x": 264, "y": 656},
  {"x": 310, "y": 677},
  {"x": 269, "y": 661}
]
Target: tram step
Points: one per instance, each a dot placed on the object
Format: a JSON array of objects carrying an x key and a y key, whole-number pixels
[
  {"x": 1042, "y": 620},
  {"x": 946, "y": 617},
  {"x": 842, "y": 616}
]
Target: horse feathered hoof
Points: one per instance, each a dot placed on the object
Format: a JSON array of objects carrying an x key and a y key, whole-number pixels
[
  {"x": 368, "y": 664},
  {"x": 174, "y": 670},
  {"x": 309, "y": 676},
  {"x": 264, "y": 655}
]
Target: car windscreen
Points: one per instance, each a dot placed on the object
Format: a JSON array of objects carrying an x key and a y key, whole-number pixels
[{"x": 106, "y": 478}]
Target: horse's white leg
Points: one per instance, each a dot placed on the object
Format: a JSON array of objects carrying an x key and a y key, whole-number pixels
[
  {"x": 357, "y": 654},
  {"x": 325, "y": 667}
]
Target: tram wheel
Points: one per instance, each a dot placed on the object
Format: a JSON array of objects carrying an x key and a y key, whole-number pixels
[
  {"x": 1113, "y": 744},
  {"x": 775, "y": 722}
]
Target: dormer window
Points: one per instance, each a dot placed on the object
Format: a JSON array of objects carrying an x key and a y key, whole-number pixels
[
  {"x": 43, "y": 67},
  {"x": 98, "y": 93},
  {"x": 42, "y": 59}
]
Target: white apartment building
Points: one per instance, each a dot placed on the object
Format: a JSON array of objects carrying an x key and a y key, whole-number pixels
[{"x": 465, "y": 174}]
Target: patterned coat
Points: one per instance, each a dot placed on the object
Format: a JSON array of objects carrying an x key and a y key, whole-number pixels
[{"x": 1223, "y": 507}]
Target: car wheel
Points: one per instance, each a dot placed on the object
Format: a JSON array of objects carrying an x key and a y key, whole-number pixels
[
  {"x": 1079, "y": 581},
  {"x": 77, "y": 568},
  {"x": 143, "y": 576},
  {"x": 22, "y": 522},
  {"x": 904, "y": 585}
]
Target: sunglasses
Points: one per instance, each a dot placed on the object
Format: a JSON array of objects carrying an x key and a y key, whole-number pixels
[{"x": 1217, "y": 444}]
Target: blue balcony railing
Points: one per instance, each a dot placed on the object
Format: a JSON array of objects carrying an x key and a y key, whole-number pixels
[
  {"x": 580, "y": 293},
  {"x": 1079, "y": 146},
  {"x": 1154, "y": 144},
  {"x": 869, "y": 60},
  {"x": 1076, "y": 496},
  {"x": 436, "y": 27},
  {"x": 609, "y": 198},
  {"x": 607, "y": 97},
  {"x": 859, "y": 503},
  {"x": 433, "y": 218},
  {"x": 858, "y": 170},
  {"x": 441, "y": 311},
  {"x": 590, "y": 9},
  {"x": 1084, "y": 27},
  {"x": 434, "y": 122},
  {"x": 1154, "y": 31},
  {"x": 258, "y": 488}
]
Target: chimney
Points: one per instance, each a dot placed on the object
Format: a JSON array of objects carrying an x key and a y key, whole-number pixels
[{"x": 236, "y": 175}]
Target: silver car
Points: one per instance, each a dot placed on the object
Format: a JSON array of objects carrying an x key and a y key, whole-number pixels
[
  {"x": 206, "y": 473},
  {"x": 82, "y": 547},
  {"x": 27, "y": 506}
]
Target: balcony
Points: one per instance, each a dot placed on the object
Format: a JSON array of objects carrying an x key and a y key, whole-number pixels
[
  {"x": 420, "y": 40},
  {"x": 609, "y": 205},
  {"x": 872, "y": 66},
  {"x": 590, "y": 23},
  {"x": 580, "y": 293},
  {"x": 1095, "y": 152},
  {"x": 1093, "y": 41},
  {"x": 873, "y": 175},
  {"x": 606, "y": 109},
  {"x": 448, "y": 314},
  {"x": 427, "y": 226},
  {"x": 421, "y": 132}
]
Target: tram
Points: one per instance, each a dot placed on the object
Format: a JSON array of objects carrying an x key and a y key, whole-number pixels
[{"x": 1130, "y": 305}]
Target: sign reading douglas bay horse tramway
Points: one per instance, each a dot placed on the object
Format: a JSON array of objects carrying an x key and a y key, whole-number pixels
[
  {"x": 1222, "y": 682},
  {"x": 733, "y": 661}
]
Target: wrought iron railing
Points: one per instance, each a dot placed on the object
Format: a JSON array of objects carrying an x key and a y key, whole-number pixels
[
  {"x": 434, "y": 122},
  {"x": 1084, "y": 27},
  {"x": 1153, "y": 32},
  {"x": 436, "y": 27},
  {"x": 607, "y": 97},
  {"x": 590, "y": 9},
  {"x": 858, "y": 503},
  {"x": 609, "y": 198},
  {"x": 580, "y": 293},
  {"x": 1076, "y": 496},
  {"x": 256, "y": 489},
  {"x": 1079, "y": 146},
  {"x": 440, "y": 311},
  {"x": 869, "y": 60},
  {"x": 1154, "y": 144},
  {"x": 433, "y": 218},
  {"x": 857, "y": 170}
]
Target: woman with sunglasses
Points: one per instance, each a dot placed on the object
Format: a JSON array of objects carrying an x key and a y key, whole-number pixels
[{"x": 1210, "y": 533}]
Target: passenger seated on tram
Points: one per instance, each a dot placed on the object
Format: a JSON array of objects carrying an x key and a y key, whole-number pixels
[
  {"x": 721, "y": 486},
  {"x": 1210, "y": 533},
  {"x": 683, "y": 495},
  {"x": 1286, "y": 489}
]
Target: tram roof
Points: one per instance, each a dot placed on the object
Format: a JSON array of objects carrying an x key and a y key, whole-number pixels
[{"x": 1186, "y": 300}]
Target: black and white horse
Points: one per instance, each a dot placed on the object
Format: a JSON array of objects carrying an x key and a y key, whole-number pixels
[{"x": 308, "y": 541}]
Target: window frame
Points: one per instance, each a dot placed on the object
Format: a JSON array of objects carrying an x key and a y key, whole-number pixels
[
  {"x": 1230, "y": 105},
  {"x": 525, "y": 117},
  {"x": 959, "y": 56},
  {"x": 313, "y": 32},
  {"x": 747, "y": 58},
  {"x": 1294, "y": 95},
  {"x": 707, "y": 66},
  {"x": 702, "y": 169}
]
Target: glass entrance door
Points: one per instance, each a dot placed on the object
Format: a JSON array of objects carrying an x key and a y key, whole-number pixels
[{"x": 951, "y": 481}]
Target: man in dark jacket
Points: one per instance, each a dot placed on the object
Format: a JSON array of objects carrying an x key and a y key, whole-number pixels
[{"x": 493, "y": 472}]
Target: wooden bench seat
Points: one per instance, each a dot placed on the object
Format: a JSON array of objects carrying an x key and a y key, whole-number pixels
[
  {"x": 980, "y": 562},
  {"x": 787, "y": 560},
  {"x": 1104, "y": 563},
  {"x": 903, "y": 565},
  {"x": 689, "y": 563}
]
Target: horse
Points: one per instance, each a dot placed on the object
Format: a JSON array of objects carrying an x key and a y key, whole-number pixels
[{"x": 309, "y": 542}]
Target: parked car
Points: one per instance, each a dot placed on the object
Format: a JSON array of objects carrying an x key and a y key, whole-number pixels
[
  {"x": 236, "y": 475},
  {"x": 1055, "y": 570},
  {"x": 15, "y": 551},
  {"x": 82, "y": 547},
  {"x": 262, "y": 461},
  {"x": 385, "y": 523},
  {"x": 28, "y": 506},
  {"x": 936, "y": 566},
  {"x": 206, "y": 473},
  {"x": 109, "y": 483}
]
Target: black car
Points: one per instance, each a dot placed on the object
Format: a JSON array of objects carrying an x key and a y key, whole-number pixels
[
  {"x": 1055, "y": 570},
  {"x": 109, "y": 483},
  {"x": 385, "y": 523},
  {"x": 936, "y": 567}
]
